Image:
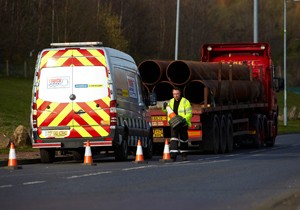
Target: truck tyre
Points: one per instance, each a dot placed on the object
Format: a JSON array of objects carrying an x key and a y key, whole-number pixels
[
  {"x": 121, "y": 151},
  {"x": 47, "y": 155},
  {"x": 223, "y": 135},
  {"x": 265, "y": 131},
  {"x": 257, "y": 137},
  {"x": 271, "y": 140},
  {"x": 148, "y": 151},
  {"x": 229, "y": 133},
  {"x": 205, "y": 133},
  {"x": 211, "y": 133},
  {"x": 215, "y": 134}
]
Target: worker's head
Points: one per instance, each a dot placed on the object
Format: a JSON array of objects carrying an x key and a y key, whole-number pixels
[{"x": 176, "y": 93}]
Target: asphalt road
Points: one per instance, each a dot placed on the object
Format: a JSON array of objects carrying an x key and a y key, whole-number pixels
[{"x": 245, "y": 179}]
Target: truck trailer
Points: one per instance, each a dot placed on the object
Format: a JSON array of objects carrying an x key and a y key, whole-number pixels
[{"x": 232, "y": 90}]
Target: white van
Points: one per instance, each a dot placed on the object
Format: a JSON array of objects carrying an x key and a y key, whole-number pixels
[{"x": 83, "y": 91}]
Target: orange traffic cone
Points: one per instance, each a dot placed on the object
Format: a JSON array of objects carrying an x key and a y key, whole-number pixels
[
  {"x": 139, "y": 157},
  {"x": 170, "y": 112},
  {"x": 174, "y": 120},
  {"x": 166, "y": 156},
  {"x": 88, "y": 159},
  {"x": 12, "y": 158}
]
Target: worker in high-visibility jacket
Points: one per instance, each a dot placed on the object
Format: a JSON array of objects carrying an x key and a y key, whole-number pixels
[{"x": 182, "y": 107}]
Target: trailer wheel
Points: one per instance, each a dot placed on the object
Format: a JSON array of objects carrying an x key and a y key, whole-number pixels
[
  {"x": 229, "y": 133},
  {"x": 215, "y": 135},
  {"x": 47, "y": 155},
  {"x": 271, "y": 140},
  {"x": 257, "y": 137},
  {"x": 223, "y": 135},
  {"x": 264, "y": 129},
  {"x": 211, "y": 133}
]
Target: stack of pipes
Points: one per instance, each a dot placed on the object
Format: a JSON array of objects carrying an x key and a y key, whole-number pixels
[{"x": 213, "y": 83}]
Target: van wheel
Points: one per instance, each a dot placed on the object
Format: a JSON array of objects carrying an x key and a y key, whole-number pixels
[
  {"x": 78, "y": 154},
  {"x": 148, "y": 151},
  {"x": 47, "y": 155},
  {"x": 121, "y": 151}
]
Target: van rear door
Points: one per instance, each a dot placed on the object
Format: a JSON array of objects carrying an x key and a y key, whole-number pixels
[{"x": 73, "y": 95}]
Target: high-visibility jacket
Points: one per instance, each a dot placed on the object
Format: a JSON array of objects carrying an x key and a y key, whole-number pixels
[{"x": 184, "y": 109}]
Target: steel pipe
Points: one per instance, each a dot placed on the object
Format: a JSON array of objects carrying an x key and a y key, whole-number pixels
[
  {"x": 224, "y": 92},
  {"x": 181, "y": 72},
  {"x": 163, "y": 90},
  {"x": 153, "y": 71}
]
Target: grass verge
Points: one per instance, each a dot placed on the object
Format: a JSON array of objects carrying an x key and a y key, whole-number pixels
[{"x": 15, "y": 95}]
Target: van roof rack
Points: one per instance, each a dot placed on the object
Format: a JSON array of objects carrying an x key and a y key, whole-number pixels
[{"x": 76, "y": 44}]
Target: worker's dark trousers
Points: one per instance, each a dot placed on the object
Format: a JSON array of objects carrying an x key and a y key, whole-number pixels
[{"x": 176, "y": 136}]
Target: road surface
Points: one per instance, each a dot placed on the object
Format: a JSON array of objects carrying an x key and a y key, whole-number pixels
[{"x": 245, "y": 179}]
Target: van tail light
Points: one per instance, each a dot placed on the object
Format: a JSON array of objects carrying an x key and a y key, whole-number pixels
[
  {"x": 34, "y": 115},
  {"x": 113, "y": 113}
]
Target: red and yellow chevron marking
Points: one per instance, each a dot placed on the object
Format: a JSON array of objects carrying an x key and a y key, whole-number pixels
[
  {"x": 54, "y": 114},
  {"x": 73, "y": 57},
  {"x": 51, "y": 114}
]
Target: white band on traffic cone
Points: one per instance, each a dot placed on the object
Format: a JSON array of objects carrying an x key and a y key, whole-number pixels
[
  {"x": 12, "y": 154},
  {"x": 139, "y": 150},
  {"x": 167, "y": 148},
  {"x": 88, "y": 151}
]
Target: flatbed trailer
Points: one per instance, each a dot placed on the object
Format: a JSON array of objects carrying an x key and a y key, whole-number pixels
[{"x": 232, "y": 91}]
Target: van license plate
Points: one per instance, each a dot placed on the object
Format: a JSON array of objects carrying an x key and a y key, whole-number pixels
[
  {"x": 56, "y": 133},
  {"x": 158, "y": 133}
]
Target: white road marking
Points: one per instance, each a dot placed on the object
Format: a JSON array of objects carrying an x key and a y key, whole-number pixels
[
  {"x": 6, "y": 186},
  {"x": 34, "y": 182},
  {"x": 211, "y": 158},
  {"x": 179, "y": 163},
  {"x": 258, "y": 151},
  {"x": 90, "y": 174},
  {"x": 140, "y": 167},
  {"x": 214, "y": 161},
  {"x": 233, "y": 155},
  {"x": 190, "y": 163}
]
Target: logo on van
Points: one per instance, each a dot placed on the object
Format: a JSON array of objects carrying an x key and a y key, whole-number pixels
[
  {"x": 58, "y": 82},
  {"x": 132, "y": 87},
  {"x": 88, "y": 85}
]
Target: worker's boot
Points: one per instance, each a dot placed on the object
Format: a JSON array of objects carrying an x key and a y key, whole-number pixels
[
  {"x": 173, "y": 156},
  {"x": 184, "y": 156},
  {"x": 184, "y": 148}
]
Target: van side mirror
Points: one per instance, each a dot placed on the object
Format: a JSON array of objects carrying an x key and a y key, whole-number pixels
[
  {"x": 278, "y": 84},
  {"x": 152, "y": 99}
]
